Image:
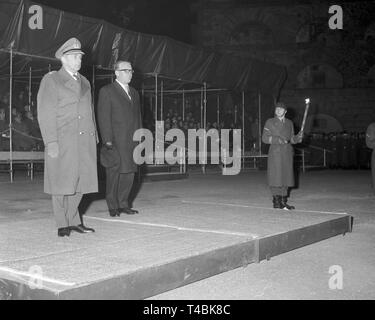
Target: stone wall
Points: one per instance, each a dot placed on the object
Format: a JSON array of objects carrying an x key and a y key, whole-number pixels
[
  {"x": 353, "y": 108},
  {"x": 335, "y": 68}
]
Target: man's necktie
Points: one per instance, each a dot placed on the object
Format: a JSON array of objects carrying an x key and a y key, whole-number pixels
[{"x": 75, "y": 77}]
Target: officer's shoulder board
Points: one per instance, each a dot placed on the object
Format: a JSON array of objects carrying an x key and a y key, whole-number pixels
[
  {"x": 49, "y": 74},
  {"x": 54, "y": 75},
  {"x": 50, "y": 77}
]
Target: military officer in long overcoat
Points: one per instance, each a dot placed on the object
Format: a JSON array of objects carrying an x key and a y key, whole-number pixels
[
  {"x": 279, "y": 133},
  {"x": 370, "y": 142},
  {"x": 119, "y": 116},
  {"x": 67, "y": 124}
]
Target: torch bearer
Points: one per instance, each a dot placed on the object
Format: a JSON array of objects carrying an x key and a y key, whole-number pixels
[{"x": 307, "y": 102}]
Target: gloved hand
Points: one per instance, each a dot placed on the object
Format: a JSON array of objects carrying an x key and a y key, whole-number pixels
[
  {"x": 282, "y": 140},
  {"x": 108, "y": 145},
  {"x": 299, "y": 137},
  {"x": 53, "y": 149}
]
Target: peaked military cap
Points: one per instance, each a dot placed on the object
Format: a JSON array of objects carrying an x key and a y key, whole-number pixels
[
  {"x": 72, "y": 46},
  {"x": 280, "y": 105}
]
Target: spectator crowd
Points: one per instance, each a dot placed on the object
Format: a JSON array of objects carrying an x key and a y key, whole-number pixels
[
  {"x": 26, "y": 135},
  {"x": 343, "y": 150}
]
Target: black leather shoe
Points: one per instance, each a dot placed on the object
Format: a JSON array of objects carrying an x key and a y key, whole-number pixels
[
  {"x": 86, "y": 229},
  {"x": 81, "y": 229},
  {"x": 63, "y": 232},
  {"x": 76, "y": 229},
  {"x": 127, "y": 211},
  {"x": 284, "y": 204},
  {"x": 277, "y": 202},
  {"x": 114, "y": 213}
]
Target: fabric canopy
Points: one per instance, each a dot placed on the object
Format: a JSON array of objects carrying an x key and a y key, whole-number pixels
[{"x": 105, "y": 43}]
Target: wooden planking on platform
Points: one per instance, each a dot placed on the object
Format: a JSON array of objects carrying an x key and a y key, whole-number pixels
[
  {"x": 155, "y": 280},
  {"x": 151, "y": 280},
  {"x": 280, "y": 243}
]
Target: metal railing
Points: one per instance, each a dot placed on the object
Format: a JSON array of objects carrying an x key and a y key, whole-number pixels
[{"x": 303, "y": 152}]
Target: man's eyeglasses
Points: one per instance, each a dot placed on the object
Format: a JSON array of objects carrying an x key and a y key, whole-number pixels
[{"x": 126, "y": 70}]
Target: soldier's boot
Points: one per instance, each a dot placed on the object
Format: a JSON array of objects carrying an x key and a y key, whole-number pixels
[
  {"x": 284, "y": 204},
  {"x": 277, "y": 202}
]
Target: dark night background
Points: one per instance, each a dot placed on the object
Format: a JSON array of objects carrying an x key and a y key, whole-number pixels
[
  {"x": 160, "y": 17},
  {"x": 196, "y": 221},
  {"x": 172, "y": 18}
]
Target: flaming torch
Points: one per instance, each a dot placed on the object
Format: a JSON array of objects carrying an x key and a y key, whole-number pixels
[{"x": 307, "y": 102}]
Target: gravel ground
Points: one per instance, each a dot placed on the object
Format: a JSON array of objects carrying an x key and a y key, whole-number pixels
[
  {"x": 300, "y": 274},
  {"x": 303, "y": 273}
]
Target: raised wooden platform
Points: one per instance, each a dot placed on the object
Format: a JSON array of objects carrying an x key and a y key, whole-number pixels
[{"x": 164, "y": 247}]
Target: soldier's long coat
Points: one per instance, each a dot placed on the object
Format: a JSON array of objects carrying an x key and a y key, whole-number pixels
[
  {"x": 280, "y": 170},
  {"x": 370, "y": 142},
  {"x": 118, "y": 118},
  {"x": 65, "y": 115}
]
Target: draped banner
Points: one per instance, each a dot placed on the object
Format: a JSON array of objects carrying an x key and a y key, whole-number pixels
[{"x": 37, "y": 31}]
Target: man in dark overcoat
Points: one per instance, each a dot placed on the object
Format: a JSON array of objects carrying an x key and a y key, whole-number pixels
[
  {"x": 119, "y": 116},
  {"x": 370, "y": 142},
  {"x": 279, "y": 133},
  {"x": 67, "y": 124}
]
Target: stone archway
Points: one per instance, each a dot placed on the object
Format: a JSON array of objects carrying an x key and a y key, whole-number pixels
[
  {"x": 322, "y": 122},
  {"x": 371, "y": 76},
  {"x": 304, "y": 34},
  {"x": 370, "y": 32},
  {"x": 319, "y": 75},
  {"x": 251, "y": 33}
]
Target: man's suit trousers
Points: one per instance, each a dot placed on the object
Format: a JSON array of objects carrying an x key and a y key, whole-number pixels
[
  {"x": 118, "y": 187},
  {"x": 65, "y": 209}
]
